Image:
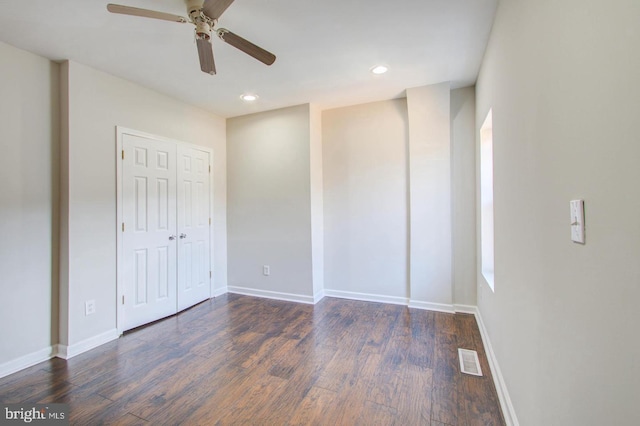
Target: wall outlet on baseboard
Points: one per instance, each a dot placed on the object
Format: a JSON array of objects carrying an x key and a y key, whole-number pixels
[
  {"x": 90, "y": 307},
  {"x": 266, "y": 270}
]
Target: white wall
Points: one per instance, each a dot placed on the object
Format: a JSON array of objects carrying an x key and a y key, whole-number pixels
[
  {"x": 29, "y": 189},
  {"x": 430, "y": 255},
  {"x": 562, "y": 79},
  {"x": 269, "y": 202},
  {"x": 463, "y": 193},
  {"x": 365, "y": 199},
  {"x": 97, "y": 103}
]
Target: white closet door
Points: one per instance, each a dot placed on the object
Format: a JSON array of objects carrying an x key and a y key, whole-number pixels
[
  {"x": 193, "y": 226},
  {"x": 150, "y": 243}
]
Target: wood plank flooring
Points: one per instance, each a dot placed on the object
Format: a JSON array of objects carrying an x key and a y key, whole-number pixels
[{"x": 244, "y": 360}]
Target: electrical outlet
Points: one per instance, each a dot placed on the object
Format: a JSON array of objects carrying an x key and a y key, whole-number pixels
[
  {"x": 266, "y": 270},
  {"x": 90, "y": 307}
]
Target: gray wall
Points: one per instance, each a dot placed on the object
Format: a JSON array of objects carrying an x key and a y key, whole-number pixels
[
  {"x": 58, "y": 194},
  {"x": 29, "y": 190},
  {"x": 463, "y": 188},
  {"x": 430, "y": 254},
  {"x": 269, "y": 202},
  {"x": 366, "y": 199},
  {"x": 317, "y": 200},
  {"x": 562, "y": 79},
  {"x": 366, "y": 166},
  {"x": 96, "y": 103}
]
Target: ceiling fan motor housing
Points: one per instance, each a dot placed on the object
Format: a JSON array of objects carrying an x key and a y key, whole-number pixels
[
  {"x": 199, "y": 19},
  {"x": 194, "y": 6}
]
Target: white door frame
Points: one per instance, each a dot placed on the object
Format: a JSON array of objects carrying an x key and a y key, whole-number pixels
[{"x": 120, "y": 132}]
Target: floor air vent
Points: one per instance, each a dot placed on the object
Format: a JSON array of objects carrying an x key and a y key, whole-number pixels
[{"x": 469, "y": 362}]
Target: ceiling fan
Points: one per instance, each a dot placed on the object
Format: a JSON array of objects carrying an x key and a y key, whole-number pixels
[{"x": 204, "y": 15}]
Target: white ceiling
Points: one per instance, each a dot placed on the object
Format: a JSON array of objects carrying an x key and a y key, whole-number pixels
[{"x": 324, "y": 48}]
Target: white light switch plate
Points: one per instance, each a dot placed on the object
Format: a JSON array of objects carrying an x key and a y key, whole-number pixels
[
  {"x": 90, "y": 307},
  {"x": 577, "y": 221}
]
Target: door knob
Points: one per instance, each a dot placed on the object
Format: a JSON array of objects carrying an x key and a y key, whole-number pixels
[
  {"x": 183, "y": 236},
  {"x": 172, "y": 237}
]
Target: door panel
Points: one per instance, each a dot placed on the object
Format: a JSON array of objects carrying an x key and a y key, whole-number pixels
[
  {"x": 193, "y": 227},
  {"x": 141, "y": 284},
  {"x": 149, "y": 216}
]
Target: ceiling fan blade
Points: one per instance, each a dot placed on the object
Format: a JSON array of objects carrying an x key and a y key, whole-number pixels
[
  {"x": 134, "y": 11},
  {"x": 246, "y": 46},
  {"x": 214, "y": 8},
  {"x": 205, "y": 53}
]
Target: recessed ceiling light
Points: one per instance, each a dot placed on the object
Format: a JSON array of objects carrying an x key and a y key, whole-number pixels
[
  {"x": 379, "y": 69},
  {"x": 249, "y": 97}
]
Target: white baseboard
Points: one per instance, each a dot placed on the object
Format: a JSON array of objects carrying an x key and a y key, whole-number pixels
[
  {"x": 56, "y": 350},
  {"x": 430, "y": 306},
  {"x": 508, "y": 410},
  {"x": 501, "y": 388},
  {"x": 69, "y": 351},
  {"x": 26, "y": 361},
  {"x": 219, "y": 291},
  {"x": 365, "y": 297},
  {"x": 66, "y": 352},
  {"x": 465, "y": 309},
  {"x": 289, "y": 297}
]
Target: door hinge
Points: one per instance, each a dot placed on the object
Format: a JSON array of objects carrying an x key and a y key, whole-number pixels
[
  {"x": 122, "y": 226},
  {"x": 209, "y": 221},
  {"x": 123, "y": 154},
  {"x": 210, "y": 274},
  {"x": 123, "y": 299},
  {"x": 209, "y": 169}
]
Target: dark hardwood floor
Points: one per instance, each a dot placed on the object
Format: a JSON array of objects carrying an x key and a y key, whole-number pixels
[{"x": 243, "y": 360}]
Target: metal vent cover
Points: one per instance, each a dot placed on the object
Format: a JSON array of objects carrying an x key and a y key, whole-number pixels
[{"x": 469, "y": 362}]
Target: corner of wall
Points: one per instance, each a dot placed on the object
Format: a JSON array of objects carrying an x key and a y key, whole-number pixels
[
  {"x": 63, "y": 283},
  {"x": 317, "y": 202},
  {"x": 429, "y": 113},
  {"x": 463, "y": 195}
]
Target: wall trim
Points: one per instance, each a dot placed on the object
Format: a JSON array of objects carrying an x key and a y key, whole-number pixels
[
  {"x": 430, "y": 306},
  {"x": 506, "y": 405},
  {"x": 26, "y": 361},
  {"x": 508, "y": 411},
  {"x": 69, "y": 351},
  {"x": 465, "y": 309},
  {"x": 219, "y": 291},
  {"x": 56, "y": 350},
  {"x": 266, "y": 294},
  {"x": 366, "y": 297}
]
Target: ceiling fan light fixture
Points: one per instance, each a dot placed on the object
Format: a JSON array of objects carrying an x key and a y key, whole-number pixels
[
  {"x": 249, "y": 97},
  {"x": 203, "y": 30},
  {"x": 379, "y": 69}
]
